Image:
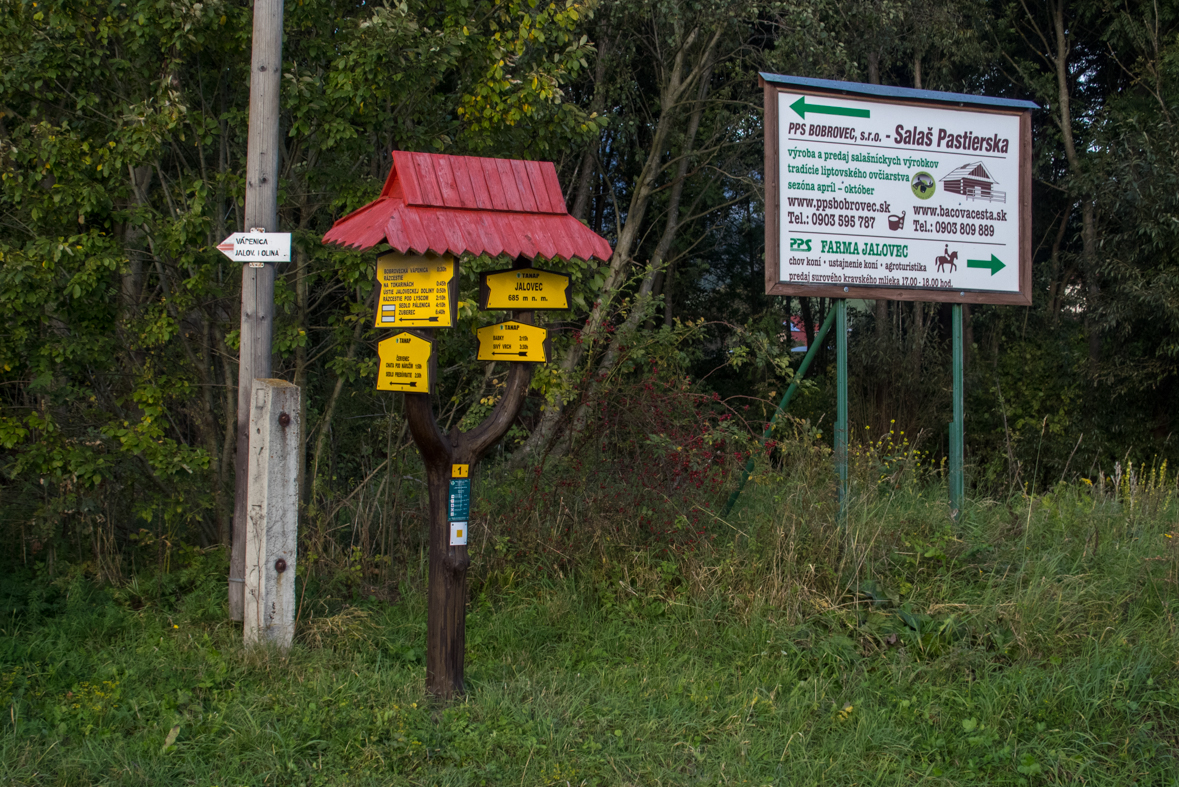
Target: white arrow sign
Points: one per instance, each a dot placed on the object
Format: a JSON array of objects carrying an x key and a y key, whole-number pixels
[{"x": 257, "y": 247}]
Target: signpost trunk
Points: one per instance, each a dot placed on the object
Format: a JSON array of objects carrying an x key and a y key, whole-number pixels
[
  {"x": 257, "y": 282},
  {"x": 447, "y": 585}
]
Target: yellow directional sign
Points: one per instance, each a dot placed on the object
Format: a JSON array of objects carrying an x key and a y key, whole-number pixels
[
  {"x": 406, "y": 361},
  {"x": 523, "y": 288},
  {"x": 416, "y": 291},
  {"x": 513, "y": 341}
]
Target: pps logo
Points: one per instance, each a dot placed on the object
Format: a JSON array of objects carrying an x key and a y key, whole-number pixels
[
  {"x": 923, "y": 185},
  {"x": 800, "y": 244}
]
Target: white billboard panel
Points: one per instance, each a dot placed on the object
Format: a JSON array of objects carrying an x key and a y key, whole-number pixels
[{"x": 891, "y": 197}]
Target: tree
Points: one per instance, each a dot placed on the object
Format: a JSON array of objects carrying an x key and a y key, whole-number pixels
[
  {"x": 1058, "y": 59},
  {"x": 681, "y": 149},
  {"x": 122, "y": 142}
]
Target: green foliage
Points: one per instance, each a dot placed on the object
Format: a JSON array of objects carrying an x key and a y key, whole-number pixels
[
  {"x": 122, "y": 143},
  {"x": 1135, "y": 178}
]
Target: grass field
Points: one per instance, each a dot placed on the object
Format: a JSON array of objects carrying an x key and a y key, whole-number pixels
[{"x": 1034, "y": 642}]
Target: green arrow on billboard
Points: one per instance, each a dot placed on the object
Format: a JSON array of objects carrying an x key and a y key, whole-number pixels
[
  {"x": 994, "y": 264},
  {"x": 801, "y": 107}
]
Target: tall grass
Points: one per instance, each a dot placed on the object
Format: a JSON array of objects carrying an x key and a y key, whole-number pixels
[{"x": 621, "y": 632}]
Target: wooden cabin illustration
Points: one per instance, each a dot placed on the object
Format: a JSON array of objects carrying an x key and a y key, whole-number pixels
[{"x": 973, "y": 181}]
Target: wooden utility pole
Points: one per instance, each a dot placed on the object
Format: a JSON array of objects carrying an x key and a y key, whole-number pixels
[{"x": 257, "y": 282}]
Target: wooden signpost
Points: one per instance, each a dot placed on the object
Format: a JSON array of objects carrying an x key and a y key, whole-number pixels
[
  {"x": 272, "y": 537},
  {"x": 432, "y": 209},
  {"x": 896, "y": 194}
]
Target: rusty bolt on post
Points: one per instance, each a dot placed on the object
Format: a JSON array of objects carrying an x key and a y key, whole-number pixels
[
  {"x": 280, "y": 565},
  {"x": 284, "y": 420}
]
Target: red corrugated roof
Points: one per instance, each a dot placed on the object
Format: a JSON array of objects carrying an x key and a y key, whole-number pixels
[{"x": 460, "y": 204}]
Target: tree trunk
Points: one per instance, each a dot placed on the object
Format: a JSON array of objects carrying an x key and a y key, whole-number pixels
[
  {"x": 1059, "y": 278},
  {"x": 680, "y": 79},
  {"x": 1088, "y": 208},
  {"x": 642, "y": 299},
  {"x": 325, "y": 422},
  {"x": 585, "y": 170},
  {"x": 917, "y": 340},
  {"x": 447, "y": 583},
  {"x": 228, "y": 445},
  {"x": 302, "y": 260},
  {"x": 825, "y": 304},
  {"x": 131, "y": 284},
  {"x": 668, "y": 283},
  {"x": 1092, "y": 279},
  {"x": 808, "y": 320}
]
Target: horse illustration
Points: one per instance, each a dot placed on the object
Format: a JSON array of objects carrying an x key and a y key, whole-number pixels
[{"x": 947, "y": 259}]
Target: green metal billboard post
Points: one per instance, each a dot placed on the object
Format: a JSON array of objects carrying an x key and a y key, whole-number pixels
[
  {"x": 957, "y": 427},
  {"x": 801, "y": 373},
  {"x": 841, "y": 404}
]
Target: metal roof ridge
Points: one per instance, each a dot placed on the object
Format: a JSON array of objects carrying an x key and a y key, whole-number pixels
[
  {"x": 890, "y": 91},
  {"x": 499, "y": 211},
  {"x": 438, "y": 180}
]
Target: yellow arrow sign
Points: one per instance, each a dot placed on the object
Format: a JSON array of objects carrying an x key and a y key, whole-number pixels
[
  {"x": 405, "y": 363},
  {"x": 513, "y": 341},
  {"x": 416, "y": 291},
  {"x": 523, "y": 288}
]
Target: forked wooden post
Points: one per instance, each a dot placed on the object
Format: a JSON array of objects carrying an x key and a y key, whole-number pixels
[
  {"x": 447, "y": 592},
  {"x": 272, "y": 529}
]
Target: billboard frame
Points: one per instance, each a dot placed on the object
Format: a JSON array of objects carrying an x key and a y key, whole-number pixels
[{"x": 773, "y": 84}]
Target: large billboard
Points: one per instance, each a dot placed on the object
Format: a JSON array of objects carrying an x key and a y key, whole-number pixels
[{"x": 879, "y": 192}]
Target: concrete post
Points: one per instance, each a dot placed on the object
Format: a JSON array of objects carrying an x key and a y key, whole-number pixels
[{"x": 272, "y": 527}]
